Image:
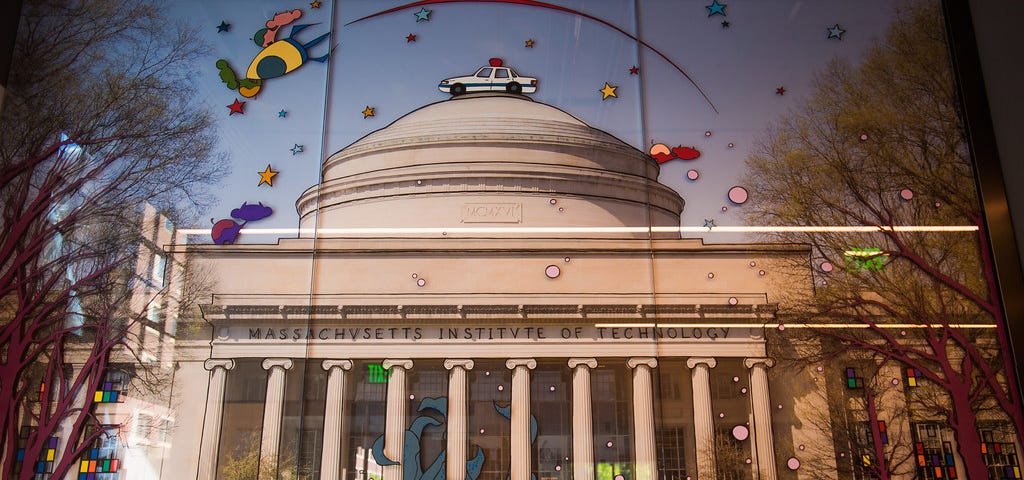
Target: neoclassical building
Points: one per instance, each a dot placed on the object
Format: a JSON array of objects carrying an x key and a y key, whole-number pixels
[{"x": 489, "y": 288}]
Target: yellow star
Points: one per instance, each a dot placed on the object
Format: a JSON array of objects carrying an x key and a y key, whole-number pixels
[
  {"x": 608, "y": 91},
  {"x": 529, "y": 43},
  {"x": 315, "y": 4},
  {"x": 267, "y": 176},
  {"x": 368, "y": 111}
]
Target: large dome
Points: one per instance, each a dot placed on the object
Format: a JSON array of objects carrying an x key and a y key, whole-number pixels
[{"x": 489, "y": 160}]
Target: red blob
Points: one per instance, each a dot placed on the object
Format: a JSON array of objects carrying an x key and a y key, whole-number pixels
[
  {"x": 663, "y": 157},
  {"x": 495, "y": 62},
  {"x": 686, "y": 153}
]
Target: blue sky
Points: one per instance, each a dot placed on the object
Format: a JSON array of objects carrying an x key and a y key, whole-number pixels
[{"x": 768, "y": 44}]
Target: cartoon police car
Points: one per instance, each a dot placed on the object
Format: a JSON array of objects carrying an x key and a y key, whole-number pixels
[{"x": 493, "y": 78}]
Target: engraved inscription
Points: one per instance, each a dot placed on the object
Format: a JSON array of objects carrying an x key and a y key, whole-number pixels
[{"x": 492, "y": 213}]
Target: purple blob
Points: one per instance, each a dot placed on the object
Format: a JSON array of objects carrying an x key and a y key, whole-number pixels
[{"x": 251, "y": 213}]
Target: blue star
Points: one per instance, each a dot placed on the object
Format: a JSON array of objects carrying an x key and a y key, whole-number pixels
[
  {"x": 709, "y": 223},
  {"x": 423, "y": 15},
  {"x": 282, "y": 113},
  {"x": 296, "y": 149},
  {"x": 715, "y": 8},
  {"x": 836, "y": 32},
  {"x": 223, "y": 27}
]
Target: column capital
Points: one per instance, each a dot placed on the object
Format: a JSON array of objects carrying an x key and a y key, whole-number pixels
[
  {"x": 342, "y": 364},
  {"x": 750, "y": 362},
  {"x": 465, "y": 363},
  {"x": 637, "y": 361},
  {"x": 225, "y": 363},
  {"x": 397, "y": 362},
  {"x": 285, "y": 363},
  {"x": 694, "y": 361},
  {"x": 512, "y": 363},
  {"x": 589, "y": 362}
]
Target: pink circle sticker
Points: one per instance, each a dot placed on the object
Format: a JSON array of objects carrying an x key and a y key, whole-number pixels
[{"x": 738, "y": 195}]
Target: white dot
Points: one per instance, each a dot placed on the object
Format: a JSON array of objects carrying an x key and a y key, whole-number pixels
[
  {"x": 412, "y": 396},
  {"x": 692, "y": 174},
  {"x": 895, "y": 381},
  {"x": 735, "y": 379},
  {"x": 707, "y": 133},
  {"x": 725, "y": 208},
  {"x": 743, "y": 390},
  {"x": 552, "y": 271},
  {"x": 501, "y": 388},
  {"x": 753, "y": 263},
  {"x": 863, "y": 137},
  {"x": 566, "y": 259},
  {"x": 820, "y": 368},
  {"x": 481, "y": 431},
  {"x": 761, "y": 272},
  {"x": 609, "y": 444},
  {"x": 552, "y": 201},
  {"x": 801, "y": 447},
  {"x": 487, "y": 374},
  {"x": 551, "y": 388},
  {"x": 731, "y": 144},
  {"x": 748, "y": 460},
  {"x": 780, "y": 406},
  {"x": 721, "y": 414},
  {"x": 733, "y": 300},
  {"x": 421, "y": 282},
  {"x": 558, "y": 468},
  {"x": 711, "y": 274},
  {"x": 414, "y": 275},
  {"x": 419, "y": 182},
  {"x": 560, "y": 209}
]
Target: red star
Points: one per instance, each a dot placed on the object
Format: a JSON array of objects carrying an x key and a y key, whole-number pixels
[
  {"x": 634, "y": 70},
  {"x": 410, "y": 38},
  {"x": 780, "y": 91},
  {"x": 236, "y": 107}
]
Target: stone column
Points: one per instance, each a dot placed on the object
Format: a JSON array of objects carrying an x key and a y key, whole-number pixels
[
  {"x": 455, "y": 469},
  {"x": 522, "y": 465},
  {"x": 582, "y": 419},
  {"x": 397, "y": 417},
  {"x": 643, "y": 417},
  {"x": 703, "y": 417},
  {"x": 334, "y": 417},
  {"x": 761, "y": 408},
  {"x": 273, "y": 410},
  {"x": 209, "y": 446}
]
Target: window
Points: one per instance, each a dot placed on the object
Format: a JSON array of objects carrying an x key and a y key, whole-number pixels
[
  {"x": 484, "y": 73},
  {"x": 501, "y": 73},
  {"x": 933, "y": 452},
  {"x": 100, "y": 462},
  {"x": 43, "y": 466},
  {"x": 1000, "y": 453},
  {"x": 111, "y": 390}
]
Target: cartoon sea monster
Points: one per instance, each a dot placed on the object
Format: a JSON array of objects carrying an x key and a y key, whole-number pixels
[{"x": 225, "y": 232}]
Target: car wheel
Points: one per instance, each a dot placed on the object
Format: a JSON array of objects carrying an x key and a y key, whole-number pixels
[
  {"x": 458, "y": 89},
  {"x": 514, "y": 88}
]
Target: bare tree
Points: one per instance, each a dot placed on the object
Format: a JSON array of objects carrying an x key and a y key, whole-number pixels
[
  {"x": 99, "y": 118},
  {"x": 881, "y": 145}
]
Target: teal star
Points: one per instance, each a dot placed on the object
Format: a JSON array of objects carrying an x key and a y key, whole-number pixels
[
  {"x": 296, "y": 149},
  {"x": 423, "y": 15},
  {"x": 709, "y": 223},
  {"x": 836, "y": 32},
  {"x": 282, "y": 113},
  {"x": 223, "y": 27},
  {"x": 715, "y": 8}
]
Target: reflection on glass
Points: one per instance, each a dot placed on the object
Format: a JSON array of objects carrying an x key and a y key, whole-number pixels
[
  {"x": 365, "y": 420},
  {"x": 612, "y": 389},
  {"x": 427, "y": 409},
  {"x": 551, "y": 404},
  {"x": 674, "y": 418},
  {"x": 302, "y": 427},
  {"x": 489, "y": 386},
  {"x": 244, "y": 395}
]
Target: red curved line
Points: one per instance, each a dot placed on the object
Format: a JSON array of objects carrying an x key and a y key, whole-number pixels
[{"x": 534, "y": 3}]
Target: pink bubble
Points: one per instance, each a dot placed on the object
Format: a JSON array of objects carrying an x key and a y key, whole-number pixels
[
  {"x": 761, "y": 273},
  {"x": 721, "y": 414},
  {"x": 707, "y": 133},
  {"x": 725, "y": 208},
  {"x": 753, "y": 263},
  {"x": 801, "y": 447},
  {"x": 711, "y": 275},
  {"x": 692, "y": 174},
  {"x": 781, "y": 327},
  {"x": 552, "y": 201},
  {"x": 826, "y": 267},
  {"x": 609, "y": 444},
  {"x": 793, "y": 463},
  {"x": 566, "y": 259},
  {"x": 735, "y": 379},
  {"x": 412, "y": 397},
  {"x": 738, "y": 195},
  {"x": 415, "y": 276},
  {"x": 743, "y": 390},
  {"x": 895, "y": 381},
  {"x": 863, "y": 137},
  {"x": 552, "y": 271},
  {"x": 482, "y": 431},
  {"x": 551, "y": 388},
  {"x": 731, "y": 144},
  {"x": 560, "y": 209},
  {"x": 820, "y": 368},
  {"x": 421, "y": 282},
  {"x": 733, "y": 300},
  {"x": 501, "y": 388},
  {"x": 748, "y": 460},
  {"x": 487, "y": 374},
  {"x": 780, "y": 406},
  {"x": 907, "y": 194},
  {"x": 558, "y": 468},
  {"x": 620, "y": 477}
]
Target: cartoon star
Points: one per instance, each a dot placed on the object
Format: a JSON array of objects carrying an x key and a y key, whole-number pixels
[
  {"x": 314, "y": 4},
  {"x": 282, "y": 114},
  {"x": 709, "y": 223},
  {"x": 223, "y": 27},
  {"x": 780, "y": 91},
  {"x": 634, "y": 70},
  {"x": 296, "y": 149},
  {"x": 835, "y": 32},
  {"x": 715, "y": 8},
  {"x": 608, "y": 91},
  {"x": 410, "y": 38},
  {"x": 529, "y": 43},
  {"x": 368, "y": 111},
  {"x": 236, "y": 107},
  {"x": 267, "y": 176},
  {"x": 423, "y": 15},
  {"x": 725, "y": 24}
]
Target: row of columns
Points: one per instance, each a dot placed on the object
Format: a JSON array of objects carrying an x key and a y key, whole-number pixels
[{"x": 582, "y": 416}]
